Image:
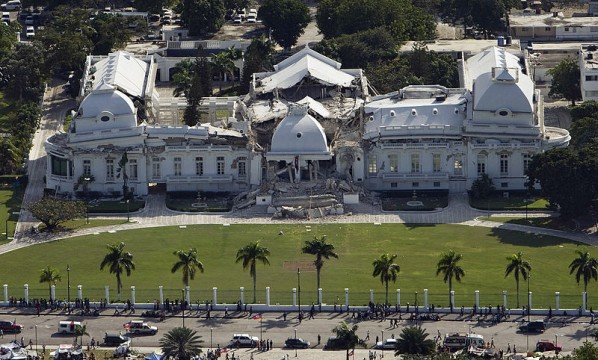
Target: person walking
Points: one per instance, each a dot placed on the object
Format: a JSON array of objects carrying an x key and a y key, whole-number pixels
[{"x": 367, "y": 336}]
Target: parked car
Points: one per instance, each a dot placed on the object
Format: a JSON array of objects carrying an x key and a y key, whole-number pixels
[
  {"x": 116, "y": 339},
  {"x": 13, "y": 5},
  {"x": 388, "y": 344},
  {"x": 251, "y": 18},
  {"x": 30, "y": 32},
  {"x": 68, "y": 327},
  {"x": 141, "y": 328},
  {"x": 296, "y": 343},
  {"x": 243, "y": 340},
  {"x": 533, "y": 327},
  {"x": 29, "y": 20},
  {"x": 238, "y": 19},
  {"x": 547, "y": 345},
  {"x": 6, "y": 17},
  {"x": 10, "y": 327}
]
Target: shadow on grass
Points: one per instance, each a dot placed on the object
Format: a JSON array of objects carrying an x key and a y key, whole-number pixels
[
  {"x": 518, "y": 238},
  {"x": 412, "y": 226}
]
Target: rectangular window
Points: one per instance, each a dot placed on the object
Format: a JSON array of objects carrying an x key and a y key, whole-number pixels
[
  {"x": 156, "y": 172},
  {"x": 220, "y": 165},
  {"x": 436, "y": 163},
  {"x": 415, "y": 184},
  {"x": 436, "y": 183},
  {"x": 109, "y": 170},
  {"x": 393, "y": 185},
  {"x": 87, "y": 168},
  {"x": 242, "y": 167},
  {"x": 133, "y": 173},
  {"x": 59, "y": 166},
  {"x": 199, "y": 166},
  {"x": 481, "y": 164},
  {"x": 393, "y": 162},
  {"x": 415, "y": 164},
  {"x": 527, "y": 159},
  {"x": 372, "y": 165},
  {"x": 504, "y": 164},
  {"x": 458, "y": 167},
  {"x": 504, "y": 185},
  {"x": 177, "y": 166}
]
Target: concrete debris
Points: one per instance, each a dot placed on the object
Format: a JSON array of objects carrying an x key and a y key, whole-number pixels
[{"x": 289, "y": 212}]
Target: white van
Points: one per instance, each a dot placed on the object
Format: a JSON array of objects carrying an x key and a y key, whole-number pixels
[
  {"x": 6, "y": 17},
  {"x": 13, "y": 5},
  {"x": 454, "y": 342},
  {"x": 68, "y": 327}
]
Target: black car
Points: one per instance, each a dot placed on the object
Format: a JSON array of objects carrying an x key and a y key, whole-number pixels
[
  {"x": 296, "y": 343},
  {"x": 115, "y": 339},
  {"x": 10, "y": 327},
  {"x": 533, "y": 327}
]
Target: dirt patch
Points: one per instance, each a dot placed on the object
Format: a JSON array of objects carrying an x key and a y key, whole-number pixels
[{"x": 301, "y": 265}]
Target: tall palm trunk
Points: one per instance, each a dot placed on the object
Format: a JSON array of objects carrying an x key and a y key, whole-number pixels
[
  {"x": 254, "y": 282},
  {"x": 517, "y": 281},
  {"x": 386, "y": 303},
  {"x": 450, "y": 290},
  {"x": 119, "y": 284},
  {"x": 318, "y": 269}
]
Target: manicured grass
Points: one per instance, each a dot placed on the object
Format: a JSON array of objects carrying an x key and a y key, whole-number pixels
[
  {"x": 418, "y": 246},
  {"x": 401, "y": 203},
  {"x": 79, "y": 224},
  {"x": 513, "y": 202},
  {"x": 10, "y": 201},
  {"x": 186, "y": 205},
  {"x": 115, "y": 206},
  {"x": 545, "y": 222}
]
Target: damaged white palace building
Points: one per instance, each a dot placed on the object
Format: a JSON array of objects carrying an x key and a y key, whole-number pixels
[{"x": 309, "y": 120}]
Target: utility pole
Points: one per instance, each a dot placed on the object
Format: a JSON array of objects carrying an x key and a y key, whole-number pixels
[
  {"x": 68, "y": 288},
  {"x": 299, "y": 292}
]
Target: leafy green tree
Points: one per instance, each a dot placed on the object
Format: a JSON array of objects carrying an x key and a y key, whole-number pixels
[
  {"x": 224, "y": 62},
  {"x": 181, "y": 78},
  {"x": 80, "y": 331},
  {"x": 201, "y": 86},
  {"x": 347, "y": 337},
  {"x": 588, "y": 108},
  {"x": 387, "y": 270},
  {"x": 584, "y": 266},
  {"x": 413, "y": 341},
  {"x": 202, "y": 16},
  {"x": 518, "y": 266},
  {"x": 488, "y": 15},
  {"x": 9, "y": 156},
  {"x": 390, "y": 75},
  {"x": 180, "y": 343},
  {"x": 8, "y": 38},
  {"x": 258, "y": 58},
  {"x": 322, "y": 250},
  {"x": 249, "y": 255},
  {"x": 50, "y": 276},
  {"x": 23, "y": 73},
  {"x": 109, "y": 32},
  {"x": 53, "y": 212},
  {"x": 565, "y": 80},
  {"x": 584, "y": 132},
  {"x": 575, "y": 186},
  {"x": 188, "y": 262},
  {"x": 236, "y": 4},
  {"x": 286, "y": 19},
  {"x": 152, "y": 6},
  {"x": 587, "y": 351},
  {"x": 118, "y": 262},
  {"x": 482, "y": 187},
  {"x": 448, "y": 266}
]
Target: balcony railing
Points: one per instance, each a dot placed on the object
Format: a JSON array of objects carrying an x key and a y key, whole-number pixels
[{"x": 393, "y": 176}]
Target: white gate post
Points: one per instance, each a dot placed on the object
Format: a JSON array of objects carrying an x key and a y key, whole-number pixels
[
  {"x": 27, "y": 293},
  {"x": 267, "y": 296},
  {"x": 399, "y": 297},
  {"x": 161, "y": 295},
  {"x": 371, "y": 295},
  {"x": 557, "y": 298},
  {"x": 52, "y": 292},
  {"x": 504, "y": 299},
  {"x": 5, "y": 294},
  {"x": 107, "y": 294},
  {"x": 215, "y": 296},
  {"x": 132, "y": 295},
  {"x": 477, "y": 299},
  {"x": 347, "y": 298},
  {"x": 319, "y": 295},
  {"x": 242, "y": 297},
  {"x": 294, "y": 296},
  {"x": 425, "y": 298},
  {"x": 188, "y": 295},
  {"x": 80, "y": 292}
]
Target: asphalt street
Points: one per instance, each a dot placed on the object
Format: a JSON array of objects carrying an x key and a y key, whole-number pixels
[{"x": 569, "y": 333}]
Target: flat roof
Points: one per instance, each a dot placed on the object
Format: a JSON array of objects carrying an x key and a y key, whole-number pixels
[
  {"x": 550, "y": 20},
  {"x": 465, "y": 45},
  {"x": 556, "y": 46}
]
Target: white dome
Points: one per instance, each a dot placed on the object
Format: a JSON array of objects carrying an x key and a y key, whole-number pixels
[
  {"x": 103, "y": 101},
  {"x": 299, "y": 133}
]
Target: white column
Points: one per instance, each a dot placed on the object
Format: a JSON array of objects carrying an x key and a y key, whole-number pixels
[
  {"x": 371, "y": 295},
  {"x": 583, "y": 300},
  {"x": 215, "y": 295},
  {"x": 27, "y": 293},
  {"x": 425, "y": 298},
  {"x": 294, "y": 296},
  {"x": 6, "y": 294},
  {"x": 242, "y": 291},
  {"x": 53, "y": 292},
  {"x": 557, "y": 299},
  {"x": 107, "y": 294},
  {"x": 267, "y": 296},
  {"x": 452, "y": 298},
  {"x": 529, "y": 300},
  {"x": 80, "y": 292},
  {"x": 133, "y": 295},
  {"x": 188, "y": 295},
  {"x": 398, "y": 297},
  {"x": 347, "y": 297},
  {"x": 161, "y": 294},
  {"x": 504, "y": 299},
  {"x": 477, "y": 299},
  {"x": 319, "y": 295}
]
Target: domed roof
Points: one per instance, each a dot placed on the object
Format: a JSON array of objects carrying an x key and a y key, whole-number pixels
[
  {"x": 501, "y": 92},
  {"x": 106, "y": 99},
  {"x": 299, "y": 133}
]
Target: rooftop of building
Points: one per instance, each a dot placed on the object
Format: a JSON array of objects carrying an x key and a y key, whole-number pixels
[
  {"x": 589, "y": 54},
  {"x": 468, "y": 46},
  {"x": 551, "y": 19}
]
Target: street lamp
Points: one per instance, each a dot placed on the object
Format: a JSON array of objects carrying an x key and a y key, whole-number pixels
[
  {"x": 6, "y": 225},
  {"x": 295, "y": 344},
  {"x": 128, "y": 213},
  {"x": 211, "y": 330},
  {"x": 68, "y": 288},
  {"x": 36, "y": 339},
  {"x": 382, "y": 339},
  {"x": 299, "y": 292}
]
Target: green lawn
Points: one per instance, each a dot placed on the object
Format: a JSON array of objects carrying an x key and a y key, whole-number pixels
[
  {"x": 418, "y": 246},
  {"x": 513, "y": 202},
  {"x": 10, "y": 201},
  {"x": 115, "y": 206},
  {"x": 545, "y": 222},
  {"x": 401, "y": 203}
]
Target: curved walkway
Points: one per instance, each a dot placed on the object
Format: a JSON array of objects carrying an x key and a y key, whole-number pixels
[{"x": 156, "y": 214}]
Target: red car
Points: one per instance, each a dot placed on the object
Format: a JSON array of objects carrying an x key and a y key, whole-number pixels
[
  {"x": 10, "y": 327},
  {"x": 546, "y": 345}
]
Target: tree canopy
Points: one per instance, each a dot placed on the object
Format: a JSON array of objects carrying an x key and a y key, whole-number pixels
[
  {"x": 565, "y": 80},
  {"x": 202, "y": 16},
  {"x": 286, "y": 19},
  {"x": 53, "y": 212}
]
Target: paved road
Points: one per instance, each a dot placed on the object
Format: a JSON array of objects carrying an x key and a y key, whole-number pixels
[{"x": 273, "y": 327}]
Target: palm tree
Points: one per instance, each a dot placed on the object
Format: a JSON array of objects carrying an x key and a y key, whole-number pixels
[
  {"x": 80, "y": 331},
  {"x": 584, "y": 265},
  {"x": 518, "y": 266},
  {"x": 180, "y": 344},
  {"x": 249, "y": 255},
  {"x": 118, "y": 261},
  {"x": 386, "y": 268},
  {"x": 322, "y": 250},
  {"x": 51, "y": 276},
  {"x": 448, "y": 266},
  {"x": 183, "y": 72},
  {"x": 225, "y": 62},
  {"x": 189, "y": 263},
  {"x": 347, "y": 337},
  {"x": 413, "y": 341}
]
